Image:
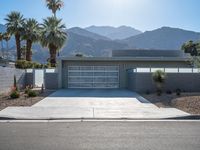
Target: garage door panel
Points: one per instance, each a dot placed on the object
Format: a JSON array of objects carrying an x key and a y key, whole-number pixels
[{"x": 93, "y": 77}]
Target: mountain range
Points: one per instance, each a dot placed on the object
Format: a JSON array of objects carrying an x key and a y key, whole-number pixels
[
  {"x": 114, "y": 33},
  {"x": 100, "y": 41}
]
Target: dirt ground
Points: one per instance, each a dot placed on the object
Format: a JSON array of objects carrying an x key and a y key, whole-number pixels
[
  {"x": 6, "y": 101},
  {"x": 188, "y": 102}
]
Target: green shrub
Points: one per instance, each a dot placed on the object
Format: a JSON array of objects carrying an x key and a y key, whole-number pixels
[
  {"x": 147, "y": 92},
  {"x": 15, "y": 83},
  {"x": 27, "y": 90},
  {"x": 32, "y": 93},
  {"x": 178, "y": 92},
  {"x": 169, "y": 92},
  {"x": 159, "y": 78},
  {"x": 14, "y": 94},
  {"x": 23, "y": 64}
]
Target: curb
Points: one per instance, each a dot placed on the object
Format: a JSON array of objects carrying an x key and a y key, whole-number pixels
[{"x": 190, "y": 117}]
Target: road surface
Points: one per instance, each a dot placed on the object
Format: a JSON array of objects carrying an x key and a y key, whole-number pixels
[{"x": 152, "y": 135}]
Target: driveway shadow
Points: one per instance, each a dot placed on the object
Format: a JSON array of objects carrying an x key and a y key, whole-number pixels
[{"x": 99, "y": 93}]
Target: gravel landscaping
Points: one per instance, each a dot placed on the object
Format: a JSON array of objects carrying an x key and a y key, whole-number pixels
[
  {"x": 6, "y": 101},
  {"x": 188, "y": 102}
]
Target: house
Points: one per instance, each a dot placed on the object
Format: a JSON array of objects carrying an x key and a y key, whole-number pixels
[{"x": 111, "y": 72}]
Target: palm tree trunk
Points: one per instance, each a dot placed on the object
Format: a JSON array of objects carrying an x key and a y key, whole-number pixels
[
  {"x": 18, "y": 44},
  {"x": 28, "y": 50},
  {"x": 7, "y": 46},
  {"x": 2, "y": 49},
  {"x": 53, "y": 55}
]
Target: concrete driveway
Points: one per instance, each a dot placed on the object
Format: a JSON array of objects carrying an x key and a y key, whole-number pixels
[
  {"x": 94, "y": 98},
  {"x": 92, "y": 103}
]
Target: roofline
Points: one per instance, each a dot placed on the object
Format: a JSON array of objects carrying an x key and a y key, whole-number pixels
[{"x": 182, "y": 59}]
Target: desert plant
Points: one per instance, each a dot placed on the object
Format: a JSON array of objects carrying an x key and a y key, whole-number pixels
[
  {"x": 14, "y": 23},
  {"x": 14, "y": 94},
  {"x": 1, "y": 40},
  {"x": 31, "y": 93},
  {"x": 169, "y": 92},
  {"x": 15, "y": 83},
  {"x": 147, "y": 92},
  {"x": 54, "y": 5},
  {"x": 178, "y": 92},
  {"x": 159, "y": 78},
  {"x": 31, "y": 35},
  {"x": 53, "y": 36},
  {"x": 42, "y": 88}
]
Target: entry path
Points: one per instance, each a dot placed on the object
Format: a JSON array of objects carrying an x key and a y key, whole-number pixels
[{"x": 108, "y": 103}]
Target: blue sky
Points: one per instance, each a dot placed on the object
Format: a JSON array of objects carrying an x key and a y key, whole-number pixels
[{"x": 141, "y": 14}]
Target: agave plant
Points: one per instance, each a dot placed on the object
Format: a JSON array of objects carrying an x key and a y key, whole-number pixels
[
  {"x": 14, "y": 25},
  {"x": 54, "y": 5},
  {"x": 31, "y": 35},
  {"x": 159, "y": 78},
  {"x": 53, "y": 36}
]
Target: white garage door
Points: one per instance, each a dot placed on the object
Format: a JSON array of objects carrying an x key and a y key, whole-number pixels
[{"x": 93, "y": 76}]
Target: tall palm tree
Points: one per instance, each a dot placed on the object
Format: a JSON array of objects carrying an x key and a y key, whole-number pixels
[
  {"x": 53, "y": 36},
  {"x": 1, "y": 40},
  {"x": 54, "y": 5},
  {"x": 31, "y": 35},
  {"x": 15, "y": 27},
  {"x": 6, "y": 37}
]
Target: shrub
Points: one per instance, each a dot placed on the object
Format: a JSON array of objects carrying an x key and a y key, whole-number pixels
[
  {"x": 169, "y": 92},
  {"x": 23, "y": 64},
  {"x": 15, "y": 83},
  {"x": 159, "y": 78},
  {"x": 147, "y": 92},
  {"x": 27, "y": 89},
  {"x": 178, "y": 92},
  {"x": 14, "y": 94},
  {"x": 32, "y": 93}
]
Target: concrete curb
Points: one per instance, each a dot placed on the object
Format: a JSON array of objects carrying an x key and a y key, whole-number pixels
[{"x": 190, "y": 117}]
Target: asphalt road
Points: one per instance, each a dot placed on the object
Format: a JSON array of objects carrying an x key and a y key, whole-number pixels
[{"x": 100, "y": 136}]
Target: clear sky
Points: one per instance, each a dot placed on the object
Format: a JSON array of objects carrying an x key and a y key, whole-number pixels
[{"x": 141, "y": 14}]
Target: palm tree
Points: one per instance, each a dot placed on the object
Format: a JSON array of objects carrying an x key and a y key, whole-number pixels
[
  {"x": 54, "y": 5},
  {"x": 53, "y": 36},
  {"x": 191, "y": 48},
  {"x": 1, "y": 40},
  {"x": 31, "y": 35},
  {"x": 6, "y": 37},
  {"x": 15, "y": 27}
]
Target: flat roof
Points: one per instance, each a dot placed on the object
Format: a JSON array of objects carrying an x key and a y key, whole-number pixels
[{"x": 124, "y": 58}]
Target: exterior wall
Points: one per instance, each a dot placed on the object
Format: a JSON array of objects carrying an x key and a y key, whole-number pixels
[
  {"x": 7, "y": 78},
  {"x": 142, "y": 82},
  {"x": 123, "y": 66},
  {"x": 51, "y": 80}
]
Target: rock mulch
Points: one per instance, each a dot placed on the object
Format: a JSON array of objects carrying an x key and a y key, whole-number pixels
[
  {"x": 188, "y": 102},
  {"x": 6, "y": 101}
]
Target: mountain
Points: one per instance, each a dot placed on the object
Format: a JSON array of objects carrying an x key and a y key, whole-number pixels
[
  {"x": 162, "y": 38},
  {"x": 86, "y": 33},
  {"x": 2, "y": 28},
  {"x": 113, "y": 33},
  {"x": 89, "y": 46},
  {"x": 93, "y": 44},
  {"x": 81, "y": 43}
]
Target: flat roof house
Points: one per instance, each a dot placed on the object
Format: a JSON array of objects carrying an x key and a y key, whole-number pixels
[{"x": 111, "y": 72}]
